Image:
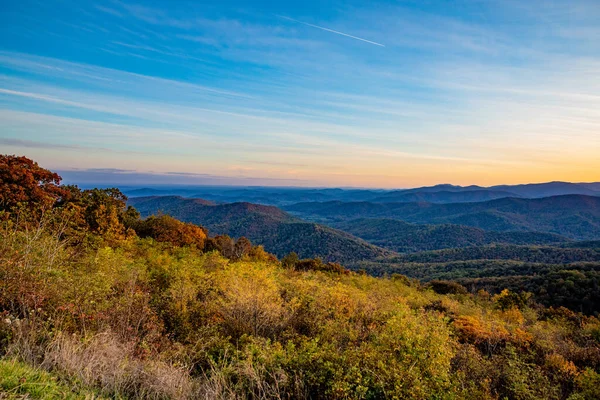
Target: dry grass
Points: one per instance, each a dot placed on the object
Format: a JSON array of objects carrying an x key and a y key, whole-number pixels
[
  {"x": 111, "y": 366},
  {"x": 105, "y": 363},
  {"x": 259, "y": 383}
]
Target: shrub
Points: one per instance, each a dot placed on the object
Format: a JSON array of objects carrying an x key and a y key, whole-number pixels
[
  {"x": 447, "y": 287},
  {"x": 167, "y": 229},
  {"x": 507, "y": 299},
  {"x": 250, "y": 303},
  {"x": 588, "y": 385},
  {"x": 316, "y": 264}
]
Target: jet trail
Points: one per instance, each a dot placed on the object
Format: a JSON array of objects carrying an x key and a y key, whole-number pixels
[{"x": 332, "y": 31}]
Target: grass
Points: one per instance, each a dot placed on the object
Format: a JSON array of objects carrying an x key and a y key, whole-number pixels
[{"x": 20, "y": 381}]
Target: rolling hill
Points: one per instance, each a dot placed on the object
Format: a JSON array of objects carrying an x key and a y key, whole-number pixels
[
  {"x": 279, "y": 232},
  {"x": 552, "y": 254},
  {"x": 574, "y": 216},
  {"x": 405, "y": 237}
]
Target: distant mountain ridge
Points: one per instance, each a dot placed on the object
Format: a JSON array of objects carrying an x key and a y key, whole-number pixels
[
  {"x": 537, "y": 190},
  {"x": 444, "y": 193},
  {"x": 444, "y": 196},
  {"x": 443, "y": 187}
]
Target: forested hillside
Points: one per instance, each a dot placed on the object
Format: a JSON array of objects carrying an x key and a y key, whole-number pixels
[
  {"x": 277, "y": 231},
  {"x": 563, "y": 254},
  {"x": 405, "y": 237},
  {"x": 97, "y": 302}
]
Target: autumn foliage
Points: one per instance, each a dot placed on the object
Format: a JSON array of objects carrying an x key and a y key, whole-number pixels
[
  {"x": 167, "y": 229},
  {"x": 23, "y": 181}
]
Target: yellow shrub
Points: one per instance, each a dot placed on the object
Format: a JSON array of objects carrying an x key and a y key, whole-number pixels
[{"x": 250, "y": 302}]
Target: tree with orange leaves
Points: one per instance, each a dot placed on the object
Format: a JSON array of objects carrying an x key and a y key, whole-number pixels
[{"x": 24, "y": 182}]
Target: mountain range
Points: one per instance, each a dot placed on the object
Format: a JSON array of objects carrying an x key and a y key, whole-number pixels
[{"x": 445, "y": 193}]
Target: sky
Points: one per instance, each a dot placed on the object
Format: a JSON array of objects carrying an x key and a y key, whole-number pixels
[{"x": 383, "y": 94}]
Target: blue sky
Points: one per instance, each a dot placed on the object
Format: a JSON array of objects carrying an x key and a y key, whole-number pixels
[{"x": 338, "y": 93}]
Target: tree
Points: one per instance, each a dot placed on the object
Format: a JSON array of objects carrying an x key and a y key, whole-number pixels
[
  {"x": 507, "y": 300},
  {"x": 447, "y": 287},
  {"x": 23, "y": 181},
  {"x": 258, "y": 253},
  {"x": 221, "y": 243},
  {"x": 100, "y": 211},
  {"x": 290, "y": 260},
  {"x": 241, "y": 248}
]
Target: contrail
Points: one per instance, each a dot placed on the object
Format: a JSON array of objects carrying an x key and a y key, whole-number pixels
[{"x": 331, "y": 30}]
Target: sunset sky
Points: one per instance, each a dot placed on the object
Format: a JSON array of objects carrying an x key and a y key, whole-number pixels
[{"x": 303, "y": 93}]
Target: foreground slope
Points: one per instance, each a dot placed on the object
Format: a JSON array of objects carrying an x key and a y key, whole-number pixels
[
  {"x": 139, "y": 319},
  {"x": 269, "y": 226}
]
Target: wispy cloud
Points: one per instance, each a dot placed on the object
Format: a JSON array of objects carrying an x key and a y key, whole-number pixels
[
  {"x": 109, "y": 10},
  {"x": 88, "y": 73},
  {"x": 32, "y": 144},
  {"x": 332, "y": 31}
]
